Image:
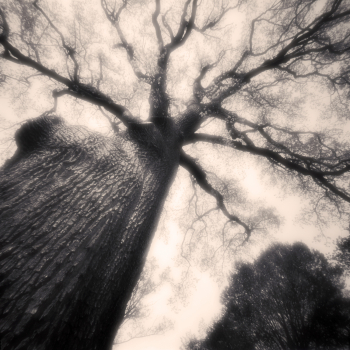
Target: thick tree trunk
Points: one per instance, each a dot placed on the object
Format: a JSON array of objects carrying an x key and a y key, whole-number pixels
[{"x": 77, "y": 214}]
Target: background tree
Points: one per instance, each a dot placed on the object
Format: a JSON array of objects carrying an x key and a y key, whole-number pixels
[
  {"x": 78, "y": 209},
  {"x": 342, "y": 253},
  {"x": 289, "y": 298}
]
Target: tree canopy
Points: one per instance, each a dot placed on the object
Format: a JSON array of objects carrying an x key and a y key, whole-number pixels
[
  {"x": 284, "y": 48},
  {"x": 289, "y": 298}
]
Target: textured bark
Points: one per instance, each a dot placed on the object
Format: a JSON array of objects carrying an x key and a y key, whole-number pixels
[{"x": 77, "y": 214}]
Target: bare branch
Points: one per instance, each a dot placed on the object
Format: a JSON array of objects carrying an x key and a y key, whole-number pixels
[
  {"x": 185, "y": 27},
  {"x": 75, "y": 89},
  {"x": 71, "y": 52},
  {"x": 198, "y": 90},
  {"x": 114, "y": 18},
  {"x": 211, "y": 24},
  {"x": 318, "y": 176},
  {"x": 113, "y": 123},
  {"x": 56, "y": 94},
  {"x": 328, "y": 165},
  {"x": 4, "y": 26},
  {"x": 159, "y": 99},
  {"x": 14, "y": 55},
  {"x": 92, "y": 95},
  {"x": 167, "y": 26},
  {"x": 156, "y": 25},
  {"x": 304, "y": 43},
  {"x": 199, "y": 174}
]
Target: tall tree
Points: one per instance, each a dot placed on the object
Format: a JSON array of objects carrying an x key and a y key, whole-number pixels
[
  {"x": 78, "y": 209},
  {"x": 289, "y": 298}
]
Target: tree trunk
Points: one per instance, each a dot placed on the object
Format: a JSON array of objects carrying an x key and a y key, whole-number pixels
[{"x": 77, "y": 214}]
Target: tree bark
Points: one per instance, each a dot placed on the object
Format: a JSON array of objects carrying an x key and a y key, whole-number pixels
[{"x": 77, "y": 214}]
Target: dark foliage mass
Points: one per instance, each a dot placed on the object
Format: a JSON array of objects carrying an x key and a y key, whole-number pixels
[
  {"x": 342, "y": 253},
  {"x": 289, "y": 298}
]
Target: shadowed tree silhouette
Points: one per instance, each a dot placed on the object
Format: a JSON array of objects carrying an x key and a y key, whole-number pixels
[
  {"x": 289, "y": 298},
  {"x": 342, "y": 254}
]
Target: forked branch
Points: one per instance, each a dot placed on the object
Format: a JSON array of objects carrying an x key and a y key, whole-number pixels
[
  {"x": 74, "y": 88},
  {"x": 114, "y": 17},
  {"x": 198, "y": 90},
  {"x": 185, "y": 27},
  {"x": 81, "y": 91},
  {"x": 70, "y": 51},
  {"x": 314, "y": 42},
  {"x": 212, "y": 23},
  {"x": 320, "y": 177},
  {"x": 156, "y": 25},
  {"x": 200, "y": 176},
  {"x": 167, "y": 26}
]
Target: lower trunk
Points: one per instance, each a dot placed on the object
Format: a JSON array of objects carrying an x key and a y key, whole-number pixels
[{"x": 77, "y": 214}]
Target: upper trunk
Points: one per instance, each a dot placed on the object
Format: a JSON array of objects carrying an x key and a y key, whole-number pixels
[{"x": 77, "y": 214}]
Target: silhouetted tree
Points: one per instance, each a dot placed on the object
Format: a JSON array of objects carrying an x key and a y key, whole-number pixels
[
  {"x": 289, "y": 298},
  {"x": 342, "y": 253},
  {"x": 78, "y": 209}
]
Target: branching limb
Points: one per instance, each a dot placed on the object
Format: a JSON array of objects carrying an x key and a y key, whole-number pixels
[
  {"x": 302, "y": 168},
  {"x": 89, "y": 94},
  {"x": 211, "y": 24},
  {"x": 75, "y": 89},
  {"x": 313, "y": 42},
  {"x": 114, "y": 124},
  {"x": 185, "y": 27},
  {"x": 159, "y": 100},
  {"x": 156, "y": 25},
  {"x": 167, "y": 26},
  {"x": 200, "y": 176},
  {"x": 14, "y": 55},
  {"x": 71, "y": 52},
  {"x": 80, "y": 91},
  {"x": 198, "y": 90},
  {"x": 327, "y": 161},
  {"x": 114, "y": 17}
]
